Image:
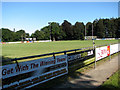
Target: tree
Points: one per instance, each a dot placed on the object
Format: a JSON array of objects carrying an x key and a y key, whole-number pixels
[
  {"x": 39, "y": 35},
  {"x": 118, "y": 28},
  {"x": 20, "y": 35},
  {"x": 95, "y": 27},
  {"x": 67, "y": 28},
  {"x": 78, "y": 31},
  {"x": 7, "y": 35},
  {"x": 100, "y": 29},
  {"x": 55, "y": 30},
  {"x": 46, "y": 31},
  {"x": 89, "y": 29}
]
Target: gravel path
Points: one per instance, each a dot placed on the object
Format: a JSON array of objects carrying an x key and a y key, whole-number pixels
[{"x": 94, "y": 77}]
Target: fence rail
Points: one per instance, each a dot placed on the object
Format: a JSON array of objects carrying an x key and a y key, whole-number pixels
[
  {"x": 30, "y": 73},
  {"x": 28, "y": 57}
]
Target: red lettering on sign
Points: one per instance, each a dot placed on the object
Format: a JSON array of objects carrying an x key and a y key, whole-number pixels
[
  {"x": 5, "y": 71},
  {"x": 33, "y": 65},
  {"x": 21, "y": 68},
  {"x": 60, "y": 59},
  {"x": 103, "y": 51},
  {"x": 42, "y": 63}
]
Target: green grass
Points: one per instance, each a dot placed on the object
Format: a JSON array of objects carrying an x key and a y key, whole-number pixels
[
  {"x": 113, "y": 82},
  {"x": 28, "y": 49}
]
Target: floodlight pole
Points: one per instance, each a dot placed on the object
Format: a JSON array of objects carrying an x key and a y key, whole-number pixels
[
  {"x": 92, "y": 37},
  {"x": 85, "y": 32},
  {"x": 92, "y": 31},
  {"x": 50, "y": 29}
]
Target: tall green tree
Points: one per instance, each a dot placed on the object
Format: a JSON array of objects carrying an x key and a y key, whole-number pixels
[
  {"x": 39, "y": 35},
  {"x": 89, "y": 29},
  {"x": 100, "y": 29},
  {"x": 47, "y": 33},
  {"x": 20, "y": 35},
  {"x": 7, "y": 35},
  {"x": 55, "y": 30},
  {"x": 67, "y": 28},
  {"x": 78, "y": 31},
  {"x": 118, "y": 28},
  {"x": 95, "y": 27}
]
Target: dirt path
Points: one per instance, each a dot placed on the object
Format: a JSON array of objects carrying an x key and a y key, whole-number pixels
[{"x": 94, "y": 77}]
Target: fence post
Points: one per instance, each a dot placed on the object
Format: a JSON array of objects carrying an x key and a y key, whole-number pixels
[
  {"x": 65, "y": 53},
  {"x": 95, "y": 58},
  {"x": 53, "y": 55}
]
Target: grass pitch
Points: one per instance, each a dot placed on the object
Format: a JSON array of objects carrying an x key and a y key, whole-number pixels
[{"x": 29, "y": 49}]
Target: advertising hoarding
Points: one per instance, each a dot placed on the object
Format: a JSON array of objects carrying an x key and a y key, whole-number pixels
[
  {"x": 31, "y": 73},
  {"x": 102, "y": 52}
]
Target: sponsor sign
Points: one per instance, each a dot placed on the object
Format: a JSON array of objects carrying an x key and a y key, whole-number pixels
[
  {"x": 102, "y": 52},
  {"x": 80, "y": 55},
  {"x": 31, "y": 73},
  {"x": 73, "y": 57},
  {"x": 114, "y": 48},
  {"x": 90, "y": 52}
]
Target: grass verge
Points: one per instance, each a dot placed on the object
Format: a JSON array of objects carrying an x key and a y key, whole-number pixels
[{"x": 113, "y": 82}]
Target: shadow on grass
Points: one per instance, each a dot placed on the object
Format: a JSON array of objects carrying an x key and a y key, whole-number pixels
[
  {"x": 65, "y": 80},
  {"x": 6, "y": 60}
]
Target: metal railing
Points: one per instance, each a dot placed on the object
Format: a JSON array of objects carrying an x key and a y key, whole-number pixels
[{"x": 65, "y": 52}]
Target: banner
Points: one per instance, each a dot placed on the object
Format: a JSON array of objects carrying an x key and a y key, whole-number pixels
[
  {"x": 114, "y": 48},
  {"x": 31, "y": 73},
  {"x": 78, "y": 55},
  {"x": 102, "y": 52}
]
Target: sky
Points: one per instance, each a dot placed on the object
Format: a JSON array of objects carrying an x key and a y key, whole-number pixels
[{"x": 31, "y": 16}]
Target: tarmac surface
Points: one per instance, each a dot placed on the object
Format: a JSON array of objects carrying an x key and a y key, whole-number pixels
[{"x": 94, "y": 77}]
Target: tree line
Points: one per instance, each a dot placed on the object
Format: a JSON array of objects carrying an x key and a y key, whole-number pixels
[{"x": 102, "y": 28}]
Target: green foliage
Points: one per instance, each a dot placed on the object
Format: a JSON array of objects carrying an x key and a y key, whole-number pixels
[
  {"x": 67, "y": 28},
  {"x": 46, "y": 31},
  {"x": 113, "y": 82},
  {"x": 78, "y": 31},
  {"x": 19, "y": 35},
  {"x": 39, "y": 35},
  {"x": 102, "y": 28},
  {"x": 9, "y": 36},
  {"x": 55, "y": 31},
  {"x": 89, "y": 29}
]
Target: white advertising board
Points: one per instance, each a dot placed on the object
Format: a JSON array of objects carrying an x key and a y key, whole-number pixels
[
  {"x": 90, "y": 53},
  {"x": 114, "y": 48},
  {"x": 40, "y": 70},
  {"x": 102, "y": 52}
]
